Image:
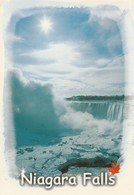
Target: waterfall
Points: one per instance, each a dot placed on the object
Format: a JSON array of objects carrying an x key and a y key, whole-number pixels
[{"x": 101, "y": 110}]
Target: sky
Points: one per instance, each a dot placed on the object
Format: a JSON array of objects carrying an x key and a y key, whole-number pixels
[{"x": 75, "y": 50}]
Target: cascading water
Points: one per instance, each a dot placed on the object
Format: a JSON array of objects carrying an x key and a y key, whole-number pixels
[{"x": 101, "y": 110}]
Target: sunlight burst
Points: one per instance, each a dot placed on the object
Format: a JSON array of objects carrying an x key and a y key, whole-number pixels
[{"x": 46, "y": 25}]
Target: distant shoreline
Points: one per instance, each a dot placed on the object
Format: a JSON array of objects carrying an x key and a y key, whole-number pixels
[{"x": 100, "y": 98}]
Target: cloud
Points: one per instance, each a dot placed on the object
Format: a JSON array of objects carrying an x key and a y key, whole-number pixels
[
  {"x": 62, "y": 57},
  {"x": 65, "y": 56},
  {"x": 103, "y": 12},
  {"x": 108, "y": 19},
  {"x": 60, "y": 52},
  {"x": 86, "y": 65},
  {"x": 86, "y": 40},
  {"x": 12, "y": 37},
  {"x": 68, "y": 78},
  {"x": 114, "y": 63},
  {"x": 87, "y": 82}
]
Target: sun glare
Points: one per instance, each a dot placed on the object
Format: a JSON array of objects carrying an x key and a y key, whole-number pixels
[{"x": 46, "y": 25}]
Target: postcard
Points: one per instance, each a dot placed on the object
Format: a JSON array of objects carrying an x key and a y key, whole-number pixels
[{"x": 67, "y": 96}]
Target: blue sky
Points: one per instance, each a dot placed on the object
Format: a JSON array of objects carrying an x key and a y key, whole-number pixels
[{"x": 78, "y": 54}]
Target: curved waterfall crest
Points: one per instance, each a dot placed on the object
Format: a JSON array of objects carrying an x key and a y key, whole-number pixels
[{"x": 101, "y": 110}]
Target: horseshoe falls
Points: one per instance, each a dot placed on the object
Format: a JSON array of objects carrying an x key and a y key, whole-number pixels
[{"x": 102, "y": 110}]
